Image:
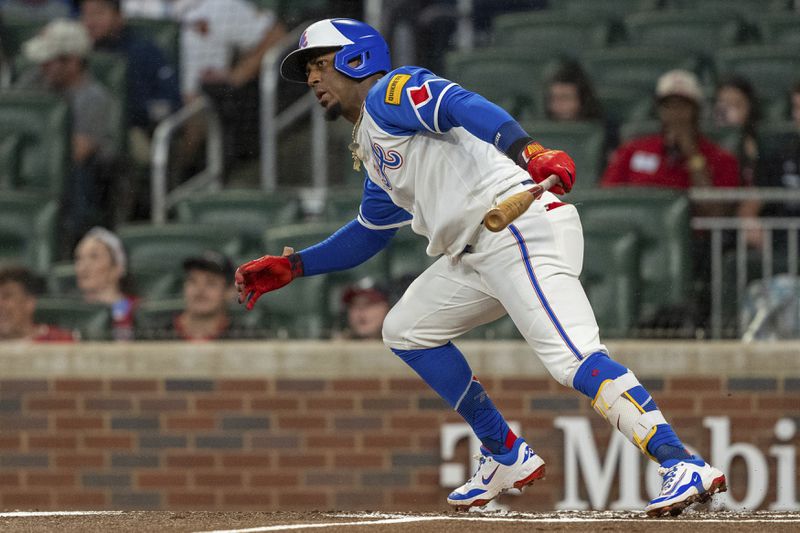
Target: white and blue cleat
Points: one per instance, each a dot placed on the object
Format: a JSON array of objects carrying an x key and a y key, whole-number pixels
[
  {"x": 496, "y": 474},
  {"x": 685, "y": 482}
]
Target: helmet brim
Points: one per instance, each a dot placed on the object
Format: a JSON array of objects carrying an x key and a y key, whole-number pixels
[{"x": 293, "y": 66}]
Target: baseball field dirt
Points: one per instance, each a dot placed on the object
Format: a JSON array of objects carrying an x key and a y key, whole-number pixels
[{"x": 371, "y": 522}]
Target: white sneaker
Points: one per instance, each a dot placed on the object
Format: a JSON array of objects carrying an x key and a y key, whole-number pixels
[
  {"x": 685, "y": 482},
  {"x": 496, "y": 474}
]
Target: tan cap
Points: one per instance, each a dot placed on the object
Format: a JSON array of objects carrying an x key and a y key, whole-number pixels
[
  {"x": 680, "y": 82},
  {"x": 61, "y": 37}
]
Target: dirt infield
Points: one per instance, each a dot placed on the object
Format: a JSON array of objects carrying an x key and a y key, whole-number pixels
[{"x": 251, "y": 522}]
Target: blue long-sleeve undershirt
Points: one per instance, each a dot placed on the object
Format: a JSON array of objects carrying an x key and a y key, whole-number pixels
[{"x": 349, "y": 246}]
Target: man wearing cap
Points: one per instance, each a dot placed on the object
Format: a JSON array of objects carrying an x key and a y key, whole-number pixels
[
  {"x": 366, "y": 304},
  {"x": 679, "y": 156},
  {"x": 207, "y": 289},
  {"x": 60, "y": 50}
]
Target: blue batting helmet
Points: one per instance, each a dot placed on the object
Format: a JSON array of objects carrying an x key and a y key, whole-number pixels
[{"x": 354, "y": 40}]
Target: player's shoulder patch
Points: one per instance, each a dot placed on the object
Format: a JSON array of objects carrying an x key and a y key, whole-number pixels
[{"x": 394, "y": 89}]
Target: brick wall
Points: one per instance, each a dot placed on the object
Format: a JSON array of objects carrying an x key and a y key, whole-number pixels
[{"x": 365, "y": 442}]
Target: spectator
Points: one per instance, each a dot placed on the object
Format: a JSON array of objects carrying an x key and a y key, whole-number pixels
[
  {"x": 60, "y": 50},
  {"x": 153, "y": 91},
  {"x": 679, "y": 156},
  {"x": 35, "y": 10},
  {"x": 222, "y": 43},
  {"x": 570, "y": 95},
  {"x": 780, "y": 167},
  {"x": 207, "y": 290},
  {"x": 18, "y": 291},
  {"x": 736, "y": 105},
  {"x": 101, "y": 268},
  {"x": 366, "y": 305},
  {"x": 151, "y": 9}
]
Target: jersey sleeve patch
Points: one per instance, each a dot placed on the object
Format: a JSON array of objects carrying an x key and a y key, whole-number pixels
[{"x": 394, "y": 89}]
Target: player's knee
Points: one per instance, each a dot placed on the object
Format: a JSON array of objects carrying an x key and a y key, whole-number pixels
[
  {"x": 400, "y": 333},
  {"x": 593, "y": 371}
]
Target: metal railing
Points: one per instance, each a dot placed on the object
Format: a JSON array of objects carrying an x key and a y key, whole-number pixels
[
  {"x": 209, "y": 178},
  {"x": 274, "y": 121},
  {"x": 718, "y": 227}
]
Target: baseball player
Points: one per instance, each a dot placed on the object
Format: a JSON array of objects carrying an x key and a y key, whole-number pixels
[{"x": 437, "y": 157}]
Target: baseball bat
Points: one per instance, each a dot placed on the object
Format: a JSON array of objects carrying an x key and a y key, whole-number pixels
[{"x": 499, "y": 217}]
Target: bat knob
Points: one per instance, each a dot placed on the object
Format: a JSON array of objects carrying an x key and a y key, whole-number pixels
[{"x": 495, "y": 220}]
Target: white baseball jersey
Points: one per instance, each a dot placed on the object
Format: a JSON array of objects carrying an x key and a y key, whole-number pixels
[{"x": 443, "y": 180}]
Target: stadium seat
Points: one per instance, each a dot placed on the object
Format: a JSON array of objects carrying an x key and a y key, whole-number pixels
[
  {"x": 28, "y": 229},
  {"x": 624, "y": 104},
  {"x": 609, "y": 8},
  {"x": 155, "y": 314},
  {"x": 154, "y": 251},
  {"x": 693, "y": 30},
  {"x": 779, "y": 28},
  {"x": 638, "y": 128},
  {"x": 636, "y": 67},
  {"x": 91, "y": 321},
  {"x": 511, "y": 78},
  {"x": 660, "y": 219},
  {"x": 341, "y": 204},
  {"x": 772, "y": 69},
  {"x": 550, "y": 32},
  {"x": 247, "y": 211},
  {"x": 10, "y": 153},
  {"x": 17, "y": 31},
  {"x": 612, "y": 283},
  {"x": 584, "y": 141},
  {"x": 745, "y": 8},
  {"x": 42, "y": 122},
  {"x": 407, "y": 254},
  {"x": 163, "y": 33}
]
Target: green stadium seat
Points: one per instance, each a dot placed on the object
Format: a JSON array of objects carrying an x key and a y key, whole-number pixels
[
  {"x": 509, "y": 77},
  {"x": 247, "y": 211},
  {"x": 550, "y": 32},
  {"x": 692, "y": 30},
  {"x": 15, "y": 32},
  {"x": 42, "y": 122},
  {"x": 609, "y": 8},
  {"x": 28, "y": 225},
  {"x": 612, "y": 283},
  {"x": 153, "y": 315},
  {"x": 636, "y": 67},
  {"x": 624, "y": 104},
  {"x": 779, "y": 28},
  {"x": 661, "y": 220},
  {"x": 584, "y": 141},
  {"x": 10, "y": 153},
  {"x": 638, "y": 128},
  {"x": 163, "y": 33},
  {"x": 91, "y": 321},
  {"x": 747, "y": 9},
  {"x": 341, "y": 204},
  {"x": 407, "y": 254},
  {"x": 772, "y": 69},
  {"x": 157, "y": 250}
]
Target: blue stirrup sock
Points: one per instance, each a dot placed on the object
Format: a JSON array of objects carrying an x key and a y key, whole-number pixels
[
  {"x": 448, "y": 373},
  {"x": 663, "y": 444}
]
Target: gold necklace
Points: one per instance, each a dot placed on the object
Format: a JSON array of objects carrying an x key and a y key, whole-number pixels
[{"x": 354, "y": 146}]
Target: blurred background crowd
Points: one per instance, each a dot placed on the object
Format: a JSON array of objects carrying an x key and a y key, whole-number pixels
[{"x": 135, "y": 153}]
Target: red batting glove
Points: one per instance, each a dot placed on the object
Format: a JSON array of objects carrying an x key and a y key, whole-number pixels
[
  {"x": 265, "y": 274},
  {"x": 542, "y": 162}
]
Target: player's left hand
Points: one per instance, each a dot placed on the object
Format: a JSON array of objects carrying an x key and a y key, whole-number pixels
[{"x": 542, "y": 162}]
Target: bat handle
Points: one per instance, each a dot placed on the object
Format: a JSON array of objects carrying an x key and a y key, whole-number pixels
[{"x": 499, "y": 217}]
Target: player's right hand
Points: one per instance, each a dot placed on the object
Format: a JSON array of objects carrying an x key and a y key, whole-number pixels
[
  {"x": 542, "y": 162},
  {"x": 266, "y": 274}
]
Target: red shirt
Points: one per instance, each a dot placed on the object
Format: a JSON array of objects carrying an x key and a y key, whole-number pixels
[
  {"x": 46, "y": 333},
  {"x": 644, "y": 162}
]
